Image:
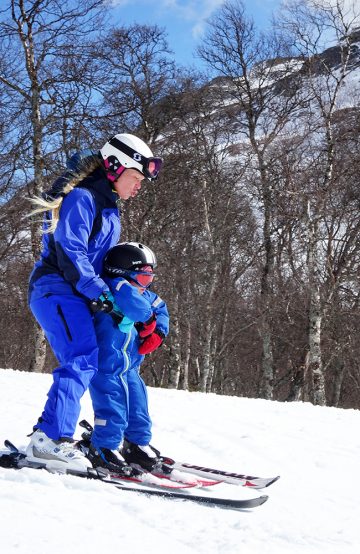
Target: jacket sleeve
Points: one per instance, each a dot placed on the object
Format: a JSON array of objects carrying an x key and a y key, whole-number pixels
[
  {"x": 77, "y": 214},
  {"x": 130, "y": 302},
  {"x": 160, "y": 310}
]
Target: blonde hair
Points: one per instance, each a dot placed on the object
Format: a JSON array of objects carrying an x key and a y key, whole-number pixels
[{"x": 88, "y": 165}]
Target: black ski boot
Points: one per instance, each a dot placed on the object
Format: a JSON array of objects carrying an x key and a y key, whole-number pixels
[
  {"x": 111, "y": 460},
  {"x": 147, "y": 457}
]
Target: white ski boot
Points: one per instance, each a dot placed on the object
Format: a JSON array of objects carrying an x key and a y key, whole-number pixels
[{"x": 57, "y": 455}]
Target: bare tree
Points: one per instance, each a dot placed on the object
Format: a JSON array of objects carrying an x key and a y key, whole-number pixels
[
  {"x": 250, "y": 62},
  {"x": 141, "y": 82},
  {"x": 34, "y": 39},
  {"x": 309, "y": 23}
]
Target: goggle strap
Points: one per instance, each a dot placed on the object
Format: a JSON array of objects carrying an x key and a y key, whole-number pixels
[{"x": 133, "y": 154}]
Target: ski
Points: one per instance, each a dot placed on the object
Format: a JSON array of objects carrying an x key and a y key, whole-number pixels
[
  {"x": 227, "y": 503},
  {"x": 186, "y": 478},
  {"x": 204, "y": 476},
  {"x": 225, "y": 476},
  {"x": 149, "y": 479},
  {"x": 15, "y": 459}
]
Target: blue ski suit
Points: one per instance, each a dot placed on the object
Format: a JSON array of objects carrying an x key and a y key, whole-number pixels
[
  {"x": 117, "y": 391},
  {"x": 62, "y": 282}
]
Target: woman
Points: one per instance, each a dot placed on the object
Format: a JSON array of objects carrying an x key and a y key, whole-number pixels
[{"x": 81, "y": 224}]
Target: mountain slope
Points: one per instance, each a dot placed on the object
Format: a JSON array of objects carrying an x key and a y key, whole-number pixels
[{"x": 313, "y": 508}]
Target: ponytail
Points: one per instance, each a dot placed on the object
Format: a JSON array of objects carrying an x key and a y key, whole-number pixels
[{"x": 52, "y": 205}]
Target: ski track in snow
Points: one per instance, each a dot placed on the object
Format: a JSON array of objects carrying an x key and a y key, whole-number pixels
[{"x": 312, "y": 509}]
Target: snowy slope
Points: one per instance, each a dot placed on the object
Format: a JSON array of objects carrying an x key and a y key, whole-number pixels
[{"x": 312, "y": 509}]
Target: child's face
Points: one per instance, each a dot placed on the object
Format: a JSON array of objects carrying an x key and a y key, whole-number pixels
[
  {"x": 144, "y": 277},
  {"x": 140, "y": 289}
]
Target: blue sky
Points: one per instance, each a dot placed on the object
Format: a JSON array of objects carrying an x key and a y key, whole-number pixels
[{"x": 184, "y": 20}]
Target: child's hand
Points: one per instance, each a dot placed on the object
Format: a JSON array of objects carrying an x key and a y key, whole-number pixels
[
  {"x": 151, "y": 342},
  {"x": 145, "y": 329}
]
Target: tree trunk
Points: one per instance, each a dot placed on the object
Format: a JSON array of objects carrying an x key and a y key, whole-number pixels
[
  {"x": 297, "y": 388},
  {"x": 315, "y": 356},
  {"x": 39, "y": 354},
  {"x": 338, "y": 381},
  {"x": 208, "y": 361},
  {"x": 315, "y": 314},
  {"x": 185, "y": 383},
  {"x": 206, "y": 357},
  {"x": 266, "y": 389},
  {"x": 37, "y": 364},
  {"x": 175, "y": 366}
]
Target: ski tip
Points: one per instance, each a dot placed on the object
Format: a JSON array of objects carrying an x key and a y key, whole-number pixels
[
  {"x": 273, "y": 481},
  {"x": 255, "y": 502}
]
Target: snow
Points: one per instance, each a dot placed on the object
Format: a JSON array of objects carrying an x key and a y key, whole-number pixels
[{"x": 313, "y": 508}]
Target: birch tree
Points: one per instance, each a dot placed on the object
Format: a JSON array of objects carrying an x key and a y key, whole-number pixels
[
  {"x": 234, "y": 49},
  {"x": 35, "y": 36},
  {"x": 309, "y": 23},
  {"x": 141, "y": 79}
]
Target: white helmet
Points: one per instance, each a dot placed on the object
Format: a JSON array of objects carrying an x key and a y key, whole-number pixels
[{"x": 126, "y": 151}]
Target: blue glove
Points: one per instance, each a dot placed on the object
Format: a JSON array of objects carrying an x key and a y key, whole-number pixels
[
  {"x": 126, "y": 325},
  {"x": 106, "y": 303}
]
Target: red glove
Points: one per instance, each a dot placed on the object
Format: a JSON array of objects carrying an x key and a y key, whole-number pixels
[
  {"x": 151, "y": 343},
  {"x": 145, "y": 329}
]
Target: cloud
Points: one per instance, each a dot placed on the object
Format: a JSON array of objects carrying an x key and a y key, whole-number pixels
[
  {"x": 196, "y": 12},
  {"x": 116, "y": 3}
]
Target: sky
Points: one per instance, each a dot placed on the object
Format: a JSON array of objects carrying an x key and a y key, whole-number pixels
[
  {"x": 184, "y": 20},
  {"x": 312, "y": 509}
]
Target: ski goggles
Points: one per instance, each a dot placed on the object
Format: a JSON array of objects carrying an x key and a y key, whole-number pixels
[
  {"x": 152, "y": 167},
  {"x": 144, "y": 277}
]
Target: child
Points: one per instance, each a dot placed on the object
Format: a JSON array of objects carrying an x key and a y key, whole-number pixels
[{"x": 118, "y": 393}]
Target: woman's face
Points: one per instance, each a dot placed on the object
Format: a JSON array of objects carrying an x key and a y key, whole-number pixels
[{"x": 128, "y": 184}]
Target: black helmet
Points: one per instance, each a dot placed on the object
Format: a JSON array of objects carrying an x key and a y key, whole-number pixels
[{"x": 128, "y": 257}]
